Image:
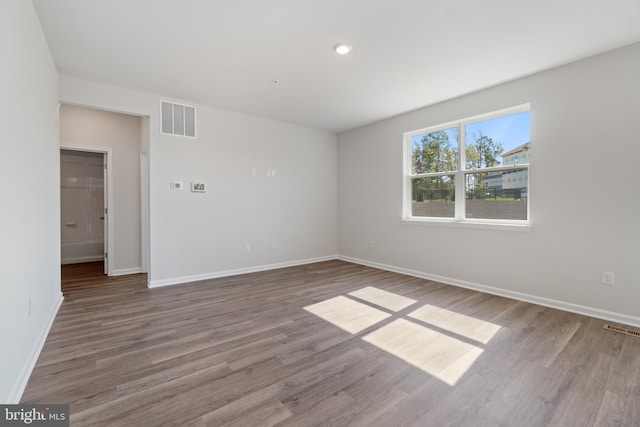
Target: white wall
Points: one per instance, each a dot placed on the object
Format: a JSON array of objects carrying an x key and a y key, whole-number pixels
[
  {"x": 196, "y": 236},
  {"x": 30, "y": 214},
  {"x": 121, "y": 132},
  {"x": 584, "y": 123}
]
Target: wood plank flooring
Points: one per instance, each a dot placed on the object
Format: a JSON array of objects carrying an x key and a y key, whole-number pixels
[{"x": 284, "y": 347}]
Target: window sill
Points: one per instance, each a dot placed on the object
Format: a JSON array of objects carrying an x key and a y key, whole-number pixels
[{"x": 473, "y": 224}]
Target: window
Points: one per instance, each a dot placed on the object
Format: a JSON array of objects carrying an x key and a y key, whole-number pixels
[
  {"x": 472, "y": 170},
  {"x": 178, "y": 119}
]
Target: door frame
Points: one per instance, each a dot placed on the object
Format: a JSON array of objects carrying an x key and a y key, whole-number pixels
[
  {"x": 108, "y": 238},
  {"x": 144, "y": 210}
]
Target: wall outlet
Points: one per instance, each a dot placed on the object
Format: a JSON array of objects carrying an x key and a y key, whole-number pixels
[
  {"x": 176, "y": 186},
  {"x": 607, "y": 278}
]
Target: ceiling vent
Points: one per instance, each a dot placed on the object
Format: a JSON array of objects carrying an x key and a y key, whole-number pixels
[{"x": 178, "y": 119}]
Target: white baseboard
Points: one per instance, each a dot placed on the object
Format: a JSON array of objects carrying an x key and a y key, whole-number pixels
[
  {"x": 81, "y": 259},
  {"x": 30, "y": 363},
  {"x": 125, "y": 271},
  {"x": 547, "y": 302},
  {"x": 235, "y": 272}
]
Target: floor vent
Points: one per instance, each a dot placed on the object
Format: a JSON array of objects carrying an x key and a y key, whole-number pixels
[{"x": 622, "y": 330}]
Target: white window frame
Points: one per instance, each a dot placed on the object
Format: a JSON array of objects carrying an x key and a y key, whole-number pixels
[{"x": 459, "y": 218}]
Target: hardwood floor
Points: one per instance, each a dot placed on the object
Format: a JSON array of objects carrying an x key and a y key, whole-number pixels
[{"x": 322, "y": 344}]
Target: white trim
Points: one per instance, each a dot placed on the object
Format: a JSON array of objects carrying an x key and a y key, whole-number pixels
[
  {"x": 108, "y": 151},
  {"x": 81, "y": 259},
  {"x": 18, "y": 389},
  {"x": 520, "y": 167},
  {"x": 144, "y": 209},
  {"x": 547, "y": 302},
  {"x": 468, "y": 223},
  {"x": 235, "y": 272},
  {"x": 125, "y": 271}
]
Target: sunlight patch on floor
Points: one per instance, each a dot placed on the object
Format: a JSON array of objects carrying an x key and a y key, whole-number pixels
[
  {"x": 442, "y": 353},
  {"x": 437, "y": 354},
  {"x": 347, "y": 314},
  {"x": 388, "y": 300},
  {"x": 467, "y": 326}
]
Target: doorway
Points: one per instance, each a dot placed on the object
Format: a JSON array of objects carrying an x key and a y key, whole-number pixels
[
  {"x": 122, "y": 137},
  {"x": 85, "y": 196}
]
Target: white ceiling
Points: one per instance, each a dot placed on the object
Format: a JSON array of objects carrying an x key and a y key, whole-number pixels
[{"x": 406, "y": 53}]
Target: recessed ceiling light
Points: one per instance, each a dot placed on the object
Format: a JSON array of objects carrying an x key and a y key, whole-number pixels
[{"x": 342, "y": 48}]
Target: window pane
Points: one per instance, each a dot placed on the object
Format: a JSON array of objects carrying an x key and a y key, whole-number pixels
[
  {"x": 502, "y": 141},
  {"x": 433, "y": 196},
  {"x": 497, "y": 195},
  {"x": 435, "y": 151}
]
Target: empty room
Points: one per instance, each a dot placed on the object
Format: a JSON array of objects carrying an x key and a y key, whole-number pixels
[{"x": 303, "y": 213}]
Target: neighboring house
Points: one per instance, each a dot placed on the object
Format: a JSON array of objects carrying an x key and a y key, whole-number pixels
[
  {"x": 517, "y": 181},
  {"x": 517, "y": 156}
]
